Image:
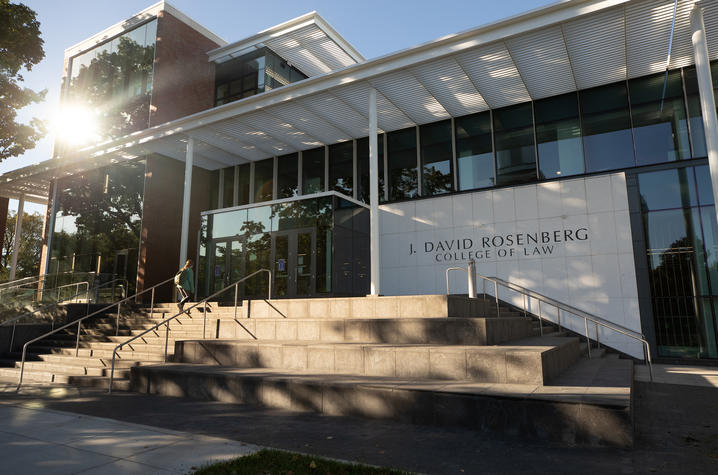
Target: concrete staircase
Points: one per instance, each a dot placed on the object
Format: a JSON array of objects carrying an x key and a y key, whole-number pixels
[{"x": 442, "y": 360}]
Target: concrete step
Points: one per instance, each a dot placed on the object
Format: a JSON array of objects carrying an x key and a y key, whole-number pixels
[
  {"x": 578, "y": 415},
  {"x": 535, "y": 360},
  {"x": 138, "y": 353},
  {"x": 13, "y": 360},
  {"x": 69, "y": 369},
  {"x": 56, "y": 375}
]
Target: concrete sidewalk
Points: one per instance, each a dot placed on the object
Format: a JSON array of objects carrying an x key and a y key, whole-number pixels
[{"x": 36, "y": 440}]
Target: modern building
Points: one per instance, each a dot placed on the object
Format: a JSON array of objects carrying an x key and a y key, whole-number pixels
[{"x": 572, "y": 150}]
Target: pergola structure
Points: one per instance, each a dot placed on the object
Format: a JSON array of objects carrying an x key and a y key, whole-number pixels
[{"x": 558, "y": 49}]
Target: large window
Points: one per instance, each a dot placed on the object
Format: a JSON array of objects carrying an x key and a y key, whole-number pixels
[
  {"x": 514, "y": 141},
  {"x": 558, "y": 135},
  {"x": 287, "y": 175},
  {"x": 681, "y": 243},
  {"x": 660, "y": 130},
  {"x": 251, "y": 74},
  {"x": 341, "y": 167},
  {"x": 436, "y": 158},
  {"x": 363, "y": 168},
  {"x": 313, "y": 171},
  {"x": 606, "y": 124},
  {"x": 113, "y": 82},
  {"x": 228, "y": 187},
  {"x": 474, "y": 151},
  {"x": 401, "y": 160},
  {"x": 263, "y": 180},
  {"x": 243, "y": 185}
]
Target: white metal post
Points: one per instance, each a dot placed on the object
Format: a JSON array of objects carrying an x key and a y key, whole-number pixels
[
  {"x": 185, "y": 200},
  {"x": 705, "y": 90},
  {"x": 374, "y": 194},
  {"x": 18, "y": 235}
]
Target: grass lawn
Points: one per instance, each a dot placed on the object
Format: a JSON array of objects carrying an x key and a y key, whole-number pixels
[{"x": 277, "y": 462}]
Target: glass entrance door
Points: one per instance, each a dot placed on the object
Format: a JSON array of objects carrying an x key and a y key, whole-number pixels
[
  {"x": 294, "y": 263},
  {"x": 227, "y": 266}
]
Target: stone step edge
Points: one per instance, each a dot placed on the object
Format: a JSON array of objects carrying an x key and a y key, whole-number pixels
[{"x": 524, "y": 410}]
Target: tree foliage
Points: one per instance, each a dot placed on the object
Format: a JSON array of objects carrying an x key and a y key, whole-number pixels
[
  {"x": 20, "y": 48},
  {"x": 28, "y": 258}
]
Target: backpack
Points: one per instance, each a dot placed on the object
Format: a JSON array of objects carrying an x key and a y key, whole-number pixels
[{"x": 178, "y": 277}]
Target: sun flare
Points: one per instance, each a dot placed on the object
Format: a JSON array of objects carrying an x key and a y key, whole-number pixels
[{"x": 76, "y": 125}]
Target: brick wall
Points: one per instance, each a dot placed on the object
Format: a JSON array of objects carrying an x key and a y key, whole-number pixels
[{"x": 183, "y": 76}]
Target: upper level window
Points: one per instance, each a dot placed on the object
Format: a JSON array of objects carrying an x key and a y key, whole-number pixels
[
  {"x": 251, "y": 74},
  {"x": 558, "y": 134},
  {"x": 474, "y": 151},
  {"x": 514, "y": 140},
  {"x": 109, "y": 86}
]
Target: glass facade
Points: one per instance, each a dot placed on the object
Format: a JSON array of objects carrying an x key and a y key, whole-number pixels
[
  {"x": 314, "y": 246},
  {"x": 363, "y": 168},
  {"x": 515, "y": 145},
  {"x": 558, "y": 136},
  {"x": 437, "y": 156},
  {"x": 313, "y": 170},
  {"x": 341, "y": 167},
  {"x": 474, "y": 151},
  {"x": 401, "y": 163},
  {"x": 98, "y": 222},
  {"x": 682, "y": 252},
  {"x": 264, "y": 180},
  {"x": 288, "y": 175},
  {"x": 112, "y": 82},
  {"x": 252, "y": 74}
]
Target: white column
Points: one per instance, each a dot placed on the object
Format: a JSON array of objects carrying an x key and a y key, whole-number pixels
[
  {"x": 185, "y": 200},
  {"x": 18, "y": 235},
  {"x": 705, "y": 89},
  {"x": 374, "y": 195}
]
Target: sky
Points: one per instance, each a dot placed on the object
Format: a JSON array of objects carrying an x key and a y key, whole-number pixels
[{"x": 373, "y": 27}]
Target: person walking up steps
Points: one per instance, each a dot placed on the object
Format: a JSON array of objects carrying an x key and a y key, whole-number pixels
[{"x": 184, "y": 280}]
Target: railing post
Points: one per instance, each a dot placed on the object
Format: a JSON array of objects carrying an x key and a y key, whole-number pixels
[
  {"x": 236, "y": 293},
  {"x": 496, "y": 295},
  {"x": 112, "y": 370},
  {"x": 447, "y": 281},
  {"x": 167, "y": 337},
  {"x": 204, "y": 320},
  {"x": 117, "y": 320},
  {"x": 588, "y": 340},
  {"x": 540, "y": 318},
  {"x": 77, "y": 343},
  {"x": 471, "y": 271},
  {"x": 598, "y": 338},
  {"x": 269, "y": 287},
  {"x": 558, "y": 309},
  {"x": 12, "y": 337},
  {"x": 152, "y": 302},
  {"x": 525, "y": 306}
]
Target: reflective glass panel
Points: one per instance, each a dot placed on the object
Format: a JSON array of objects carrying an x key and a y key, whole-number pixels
[
  {"x": 474, "y": 151},
  {"x": 606, "y": 127},
  {"x": 667, "y": 189},
  {"x": 363, "y": 167},
  {"x": 341, "y": 167},
  {"x": 228, "y": 188},
  {"x": 558, "y": 133},
  {"x": 705, "y": 186},
  {"x": 214, "y": 190},
  {"x": 313, "y": 171},
  {"x": 287, "y": 175},
  {"x": 263, "y": 182},
  {"x": 436, "y": 158},
  {"x": 243, "y": 188},
  {"x": 660, "y": 129},
  {"x": 401, "y": 161},
  {"x": 514, "y": 142}
]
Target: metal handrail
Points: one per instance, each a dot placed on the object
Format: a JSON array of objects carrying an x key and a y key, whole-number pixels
[
  {"x": 571, "y": 310},
  {"x": 204, "y": 301},
  {"x": 80, "y": 320},
  {"x": 35, "y": 280}
]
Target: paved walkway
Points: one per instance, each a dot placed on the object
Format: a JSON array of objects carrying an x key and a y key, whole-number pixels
[
  {"x": 704, "y": 376},
  {"x": 35, "y": 440}
]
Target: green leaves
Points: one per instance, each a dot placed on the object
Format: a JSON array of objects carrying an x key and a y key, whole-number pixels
[{"x": 20, "y": 47}]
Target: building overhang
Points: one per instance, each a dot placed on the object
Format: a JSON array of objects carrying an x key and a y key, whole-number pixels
[
  {"x": 307, "y": 42},
  {"x": 558, "y": 49}
]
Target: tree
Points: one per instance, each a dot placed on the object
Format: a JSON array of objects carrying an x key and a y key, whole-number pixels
[
  {"x": 20, "y": 47},
  {"x": 28, "y": 258}
]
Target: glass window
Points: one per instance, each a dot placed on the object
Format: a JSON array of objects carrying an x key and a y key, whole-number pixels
[
  {"x": 660, "y": 130},
  {"x": 474, "y": 151},
  {"x": 667, "y": 189},
  {"x": 263, "y": 183},
  {"x": 313, "y": 171},
  {"x": 695, "y": 115},
  {"x": 401, "y": 160},
  {"x": 287, "y": 168},
  {"x": 514, "y": 141},
  {"x": 243, "y": 188},
  {"x": 341, "y": 167},
  {"x": 606, "y": 127},
  {"x": 705, "y": 187},
  {"x": 363, "y": 167},
  {"x": 228, "y": 188},
  {"x": 214, "y": 190},
  {"x": 436, "y": 158},
  {"x": 558, "y": 134}
]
